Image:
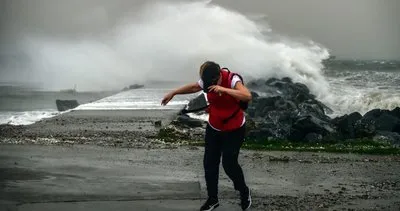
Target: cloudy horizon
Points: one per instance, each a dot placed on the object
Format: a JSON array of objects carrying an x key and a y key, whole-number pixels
[
  {"x": 359, "y": 29},
  {"x": 58, "y": 43}
]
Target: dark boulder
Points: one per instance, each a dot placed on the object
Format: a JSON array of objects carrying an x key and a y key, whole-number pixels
[
  {"x": 354, "y": 125},
  {"x": 311, "y": 107},
  {"x": 158, "y": 123},
  {"x": 313, "y": 138},
  {"x": 260, "y": 134},
  {"x": 374, "y": 113},
  {"x": 287, "y": 110},
  {"x": 386, "y": 122},
  {"x": 345, "y": 124},
  {"x": 364, "y": 128},
  {"x": 382, "y": 120},
  {"x": 196, "y": 104},
  {"x": 63, "y": 105},
  {"x": 397, "y": 128},
  {"x": 310, "y": 124},
  {"x": 395, "y": 112}
]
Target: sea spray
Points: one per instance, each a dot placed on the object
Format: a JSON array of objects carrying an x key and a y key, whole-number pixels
[{"x": 168, "y": 41}]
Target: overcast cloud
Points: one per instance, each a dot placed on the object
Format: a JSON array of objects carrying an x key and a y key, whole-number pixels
[
  {"x": 364, "y": 29},
  {"x": 74, "y": 40}
]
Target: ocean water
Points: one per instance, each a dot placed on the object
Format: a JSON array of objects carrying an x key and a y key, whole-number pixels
[
  {"x": 148, "y": 49},
  {"x": 362, "y": 86},
  {"x": 22, "y": 105},
  {"x": 351, "y": 88}
]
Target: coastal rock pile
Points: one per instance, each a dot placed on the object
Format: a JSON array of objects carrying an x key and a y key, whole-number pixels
[
  {"x": 287, "y": 110},
  {"x": 379, "y": 124},
  {"x": 284, "y": 110}
]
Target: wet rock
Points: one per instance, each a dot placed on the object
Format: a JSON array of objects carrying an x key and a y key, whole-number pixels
[
  {"x": 345, "y": 124},
  {"x": 313, "y": 138},
  {"x": 157, "y": 123},
  {"x": 196, "y": 104},
  {"x": 63, "y": 105},
  {"x": 395, "y": 112},
  {"x": 376, "y": 121},
  {"x": 286, "y": 110},
  {"x": 310, "y": 124},
  {"x": 364, "y": 128},
  {"x": 383, "y": 119},
  {"x": 283, "y": 110},
  {"x": 280, "y": 109}
]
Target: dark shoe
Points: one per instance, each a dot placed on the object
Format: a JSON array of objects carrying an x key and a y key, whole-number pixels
[
  {"x": 210, "y": 204},
  {"x": 245, "y": 199}
]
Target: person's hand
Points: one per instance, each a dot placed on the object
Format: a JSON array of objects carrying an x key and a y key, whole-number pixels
[
  {"x": 217, "y": 89},
  {"x": 167, "y": 98}
]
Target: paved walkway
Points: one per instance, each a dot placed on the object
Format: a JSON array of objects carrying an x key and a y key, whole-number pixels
[{"x": 98, "y": 178}]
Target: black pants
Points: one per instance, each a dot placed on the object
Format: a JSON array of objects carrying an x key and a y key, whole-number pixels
[{"x": 228, "y": 144}]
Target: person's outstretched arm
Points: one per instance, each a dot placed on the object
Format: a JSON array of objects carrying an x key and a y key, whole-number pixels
[{"x": 186, "y": 89}]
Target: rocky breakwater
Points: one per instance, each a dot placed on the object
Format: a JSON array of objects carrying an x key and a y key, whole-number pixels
[{"x": 284, "y": 110}]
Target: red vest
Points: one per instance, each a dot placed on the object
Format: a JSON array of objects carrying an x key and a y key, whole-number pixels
[{"x": 222, "y": 107}]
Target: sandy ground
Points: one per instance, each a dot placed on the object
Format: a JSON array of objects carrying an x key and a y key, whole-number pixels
[
  {"x": 92, "y": 160},
  {"x": 122, "y": 128}
]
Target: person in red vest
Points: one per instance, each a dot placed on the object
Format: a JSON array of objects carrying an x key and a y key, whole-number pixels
[{"x": 225, "y": 130}]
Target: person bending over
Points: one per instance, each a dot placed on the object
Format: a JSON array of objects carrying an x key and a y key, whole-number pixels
[{"x": 225, "y": 130}]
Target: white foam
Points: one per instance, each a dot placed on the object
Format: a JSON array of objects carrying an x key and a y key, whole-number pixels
[
  {"x": 169, "y": 41},
  {"x": 25, "y": 117},
  {"x": 364, "y": 101},
  {"x": 363, "y": 91}
]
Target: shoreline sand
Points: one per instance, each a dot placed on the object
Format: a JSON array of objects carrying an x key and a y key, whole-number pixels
[{"x": 103, "y": 127}]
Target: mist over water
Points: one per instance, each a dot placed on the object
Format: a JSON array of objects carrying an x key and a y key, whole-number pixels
[{"x": 167, "y": 42}]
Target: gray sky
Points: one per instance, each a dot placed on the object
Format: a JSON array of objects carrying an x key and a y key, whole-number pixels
[
  {"x": 350, "y": 28},
  {"x": 364, "y": 29},
  {"x": 74, "y": 41}
]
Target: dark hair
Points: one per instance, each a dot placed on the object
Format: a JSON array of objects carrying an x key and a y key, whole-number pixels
[{"x": 209, "y": 73}]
